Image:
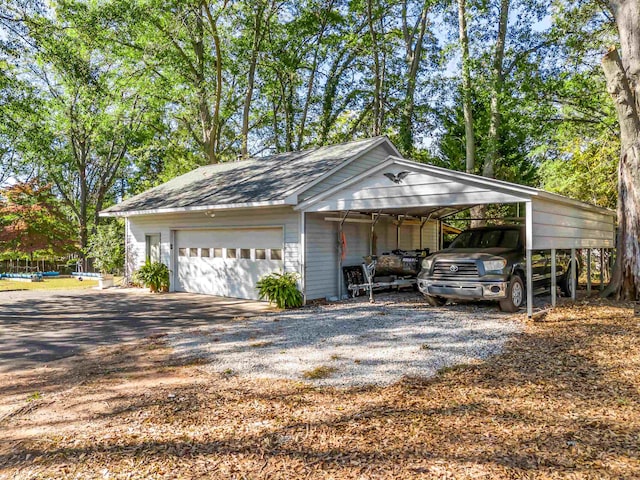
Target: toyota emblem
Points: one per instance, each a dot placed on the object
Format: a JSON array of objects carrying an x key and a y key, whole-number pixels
[{"x": 453, "y": 268}]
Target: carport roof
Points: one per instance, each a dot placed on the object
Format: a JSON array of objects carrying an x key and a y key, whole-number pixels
[
  {"x": 253, "y": 182},
  {"x": 426, "y": 202}
]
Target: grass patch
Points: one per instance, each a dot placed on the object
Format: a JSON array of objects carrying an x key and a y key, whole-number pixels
[
  {"x": 34, "y": 396},
  {"x": 51, "y": 284},
  {"x": 319, "y": 372}
]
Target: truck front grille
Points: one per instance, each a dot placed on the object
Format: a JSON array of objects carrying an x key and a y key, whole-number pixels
[{"x": 444, "y": 269}]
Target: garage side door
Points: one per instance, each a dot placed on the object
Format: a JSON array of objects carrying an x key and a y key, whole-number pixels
[{"x": 225, "y": 262}]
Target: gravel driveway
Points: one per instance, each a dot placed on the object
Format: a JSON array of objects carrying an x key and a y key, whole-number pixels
[{"x": 357, "y": 343}]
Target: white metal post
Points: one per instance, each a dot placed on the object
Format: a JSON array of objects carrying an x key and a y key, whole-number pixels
[
  {"x": 529, "y": 247},
  {"x": 529, "y": 285},
  {"x": 374, "y": 221},
  {"x": 340, "y": 252},
  {"x": 588, "y": 272},
  {"x": 601, "y": 269},
  {"x": 127, "y": 266},
  {"x": 303, "y": 256},
  {"x": 173, "y": 261},
  {"x": 574, "y": 283},
  {"x": 554, "y": 278}
]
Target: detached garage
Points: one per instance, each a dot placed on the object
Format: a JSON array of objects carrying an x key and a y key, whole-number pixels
[{"x": 221, "y": 227}]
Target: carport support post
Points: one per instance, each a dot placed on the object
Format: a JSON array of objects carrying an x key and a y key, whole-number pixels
[
  {"x": 303, "y": 256},
  {"x": 589, "y": 272},
  {"x": 574, "y": 282},
  {"x": 601, "y": 269},
  {"x": 399, "y": 222},
  {"x": 529, "y": 285},
  {"x": 554, "y": 278},
  {"x": 529, "y": 263},
  {"x": 373, "y": 231},
  {"x": 340, "y": 253},
  {"x": 422, "y": 224}
]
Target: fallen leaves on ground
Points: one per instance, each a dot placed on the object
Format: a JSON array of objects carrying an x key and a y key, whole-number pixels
[{"x": 562, "y": 401}]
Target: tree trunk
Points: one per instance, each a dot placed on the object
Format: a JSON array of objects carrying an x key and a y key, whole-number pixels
[
  {"x": 413, "y": 39},
  {"x": 312, "y": 74},
  {"x": 493, "y": 137},
  {"x": 257, "y": 40},
  {"x": 377, "y": 73},
  {"x": 496, "y": 91},
  {"x": 470, "y": 142},
  {"x": 213, "y": 139},
  {"x": 622, "y": 76}
]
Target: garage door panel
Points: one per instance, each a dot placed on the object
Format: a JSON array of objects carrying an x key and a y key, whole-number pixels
[
  {"x": 230, "y": 277},
  {"x": 240, "y": 238}
]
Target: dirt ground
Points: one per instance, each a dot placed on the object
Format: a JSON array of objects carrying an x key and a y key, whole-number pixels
[{"x": 562, "y": 401}]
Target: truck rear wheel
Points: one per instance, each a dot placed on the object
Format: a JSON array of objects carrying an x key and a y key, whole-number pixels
[
  {"x": 515, "y": 296},
  {"x": 435, "y": 301},
  {"x": 566, "y": 285}
]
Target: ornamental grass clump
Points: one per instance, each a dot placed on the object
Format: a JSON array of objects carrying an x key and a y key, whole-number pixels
[
  {"x": 155, "y": 276},
  {"x": 281, "y": 289}
]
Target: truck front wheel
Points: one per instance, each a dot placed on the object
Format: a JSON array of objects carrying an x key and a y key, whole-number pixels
[{"x": 515, "y": 296}]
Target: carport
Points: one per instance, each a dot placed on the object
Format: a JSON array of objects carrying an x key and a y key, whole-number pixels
[{"x": 404, "y": 189}]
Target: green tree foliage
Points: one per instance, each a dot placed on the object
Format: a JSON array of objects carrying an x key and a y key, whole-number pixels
[
  {"x": 588, "y": 171},
  {"x": 32, "y": 222},
  {"x": 107, "y": 248},
  {"x": 90, "y": 117},
  {"x": 104, "y": 99}
]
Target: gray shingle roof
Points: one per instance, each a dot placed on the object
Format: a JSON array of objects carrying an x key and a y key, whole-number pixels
[{"x": 265, "y": 179}]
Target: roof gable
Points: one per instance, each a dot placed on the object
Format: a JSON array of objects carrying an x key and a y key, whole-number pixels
[{"x": 398, "y": 184}]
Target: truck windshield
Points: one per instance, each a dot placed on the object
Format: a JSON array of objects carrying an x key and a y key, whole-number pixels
[{"x": 487, "y": 239}]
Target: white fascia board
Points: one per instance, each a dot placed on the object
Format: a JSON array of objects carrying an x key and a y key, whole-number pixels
[
  {"x": 230, "y": 206},
  {"x": 292, "y": 195}
]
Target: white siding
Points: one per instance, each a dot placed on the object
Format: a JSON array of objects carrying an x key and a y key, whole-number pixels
[
  {"x": 565, "y": 226},
  {"x": 142, "y": 225},
  {"x": 322, "y": 257},
  {"x": 322, "y": 253},
  {"x": 369, "y": 160}
]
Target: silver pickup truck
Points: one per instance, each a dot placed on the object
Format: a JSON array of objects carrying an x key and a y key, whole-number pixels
[{"x": 488, "y": 263}]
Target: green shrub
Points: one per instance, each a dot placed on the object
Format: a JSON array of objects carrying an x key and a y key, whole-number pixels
[
  {"x": 281, "y": 289},
  {"x": 155, "y": 276}
]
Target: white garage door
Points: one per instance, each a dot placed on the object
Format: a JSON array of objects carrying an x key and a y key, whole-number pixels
[{"x": 227, "y": 262}]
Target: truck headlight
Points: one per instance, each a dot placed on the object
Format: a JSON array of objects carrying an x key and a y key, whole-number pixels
[
  {"x": 494, "y": 265},
  {"x": 426, "y": 263}
]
